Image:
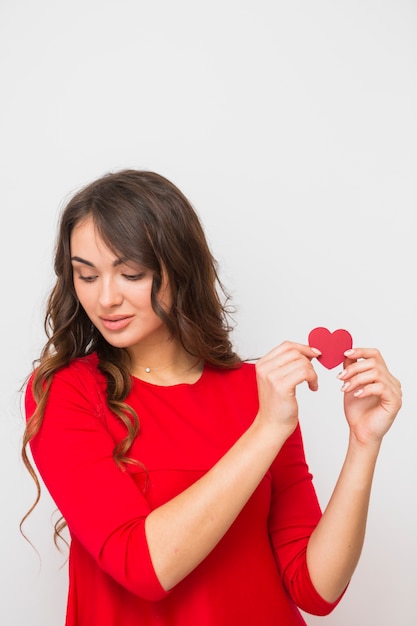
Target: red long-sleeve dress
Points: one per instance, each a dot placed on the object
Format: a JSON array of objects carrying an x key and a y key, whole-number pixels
[{"x": 257, "y": 574}]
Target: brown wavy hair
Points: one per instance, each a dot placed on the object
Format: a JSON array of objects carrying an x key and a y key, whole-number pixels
[{"x": 143, "y": 217}]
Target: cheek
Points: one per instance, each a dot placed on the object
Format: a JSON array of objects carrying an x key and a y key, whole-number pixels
[
  {"x": 139, "y": 293},
  {"x": 84, "y": 296}
]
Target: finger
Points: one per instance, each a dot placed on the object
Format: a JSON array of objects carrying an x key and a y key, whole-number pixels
[
  {"x": 289, "y": 347},
  {"x": 358, "y": 367},
  {"x": 298, "y": 375},
  {"x": 368, "y": 359},
  {"x": 367, "y": 391},
  {"x": 357, "y": 381},
  {"x": 305, "y": 372},
  {"x": 354, "y": 354},
  {"x": 376, "y": 390},
  {"x": 289, "y": 372}
]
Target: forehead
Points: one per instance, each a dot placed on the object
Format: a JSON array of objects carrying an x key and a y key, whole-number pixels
[{"x": 85, "y": 238}]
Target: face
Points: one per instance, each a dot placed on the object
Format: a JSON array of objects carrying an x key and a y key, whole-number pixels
[{"x": 116, "y": 293}]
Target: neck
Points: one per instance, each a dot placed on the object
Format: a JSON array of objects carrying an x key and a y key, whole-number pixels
[{"x": 165, "y": 365}]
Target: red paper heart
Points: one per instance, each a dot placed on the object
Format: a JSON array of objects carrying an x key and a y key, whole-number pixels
[{"x": 331, "y": 345}]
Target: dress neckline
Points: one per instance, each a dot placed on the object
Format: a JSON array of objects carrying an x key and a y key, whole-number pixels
[{"x": 148, "y": 383}]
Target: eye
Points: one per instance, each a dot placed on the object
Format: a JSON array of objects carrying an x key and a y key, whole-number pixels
[
  {"x": 87, "y": 279},
  {"x": 138, "y": 276}
]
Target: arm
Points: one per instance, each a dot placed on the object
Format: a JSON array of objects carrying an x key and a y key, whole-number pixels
[
  {"x": 182, "y": 532},
  {"x": 103, "y": 507},
  {"x": 108, "y": 513},
  {"x": 372, "y": 399}
]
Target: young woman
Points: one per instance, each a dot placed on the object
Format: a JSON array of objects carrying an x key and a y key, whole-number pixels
[{"x": 178, "y": 468}]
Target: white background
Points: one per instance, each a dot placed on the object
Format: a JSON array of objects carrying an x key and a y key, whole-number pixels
[{"x": 292, "y": 128}]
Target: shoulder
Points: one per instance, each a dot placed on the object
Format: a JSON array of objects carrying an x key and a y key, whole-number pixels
[
  {"x": 242, "y": 371},
  {"x": 81, "y": 367},
  {"x": 80, "y": 377},
  {"x": 242, "y": 377},
  {"x": 82, "y": 370}
]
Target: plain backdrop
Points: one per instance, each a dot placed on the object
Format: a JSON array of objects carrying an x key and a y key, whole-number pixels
[{"x": 292, "y": 128}]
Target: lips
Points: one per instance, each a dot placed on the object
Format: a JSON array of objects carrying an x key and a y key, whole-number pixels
[{"x": 116, "y": 323}]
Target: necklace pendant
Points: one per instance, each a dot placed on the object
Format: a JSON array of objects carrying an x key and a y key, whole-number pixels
[{"x": 147, "y": 370}]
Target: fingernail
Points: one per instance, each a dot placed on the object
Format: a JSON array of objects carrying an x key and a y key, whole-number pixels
[
  {"x": 341, "y": 374},
  {"x": 316, "y": 351},
  {"x": 344, "y": 387},
  {"x": 349, "y": 352},
  {"x": 358, "y": 392}
]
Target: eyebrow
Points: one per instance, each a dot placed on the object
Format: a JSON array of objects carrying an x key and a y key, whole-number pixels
[{"x": 78, "y": 259}]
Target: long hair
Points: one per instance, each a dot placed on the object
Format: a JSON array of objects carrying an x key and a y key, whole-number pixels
[{"x": 142, "y": 217}]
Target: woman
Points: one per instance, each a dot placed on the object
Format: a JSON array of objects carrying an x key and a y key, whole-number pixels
[{"x": 178, "y": 468}]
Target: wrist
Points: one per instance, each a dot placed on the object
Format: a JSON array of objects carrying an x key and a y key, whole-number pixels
[
  {"x": 366, "y": 446},
  {"x": 274, "y": 434},
  {"x": 361, "y": 459}
]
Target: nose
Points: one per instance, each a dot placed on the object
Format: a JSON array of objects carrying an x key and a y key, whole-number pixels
[{"x": 110, "y": 295}]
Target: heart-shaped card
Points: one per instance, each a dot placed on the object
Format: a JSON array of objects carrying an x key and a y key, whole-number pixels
[{"x": 332, "y": 345}]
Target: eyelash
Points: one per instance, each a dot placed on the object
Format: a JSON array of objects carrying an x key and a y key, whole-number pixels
[
  {"x": 131, "y": 277},
  {"x": 87, "y": 279},
  {"x": 134, "y": 276}
]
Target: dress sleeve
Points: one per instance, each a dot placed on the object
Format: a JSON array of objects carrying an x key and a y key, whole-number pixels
[
  {"x": 101, "y": 504},
  {"x": 295, "y": 512}
]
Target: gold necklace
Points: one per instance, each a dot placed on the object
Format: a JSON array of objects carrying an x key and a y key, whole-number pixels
[{"x": 149, "y": 370}]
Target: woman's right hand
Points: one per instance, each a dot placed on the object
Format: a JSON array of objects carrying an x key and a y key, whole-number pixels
[
  {"x": 278, "y": 373},
  {"x": 184, "y": 530}
]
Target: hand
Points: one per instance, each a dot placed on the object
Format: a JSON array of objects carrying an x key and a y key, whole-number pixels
[
  {"x": 372, "y": 395},
  {"x": 278, "y": 374}
]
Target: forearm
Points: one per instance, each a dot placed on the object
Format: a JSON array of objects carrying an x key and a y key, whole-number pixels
[
  {"x": 336, "y": 544},
  {"x": 182, "y": 532}
]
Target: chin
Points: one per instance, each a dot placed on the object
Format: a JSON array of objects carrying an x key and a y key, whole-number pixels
[{"x": 116, "y": 342}]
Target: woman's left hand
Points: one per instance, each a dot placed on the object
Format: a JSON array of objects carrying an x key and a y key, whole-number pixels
[{"x": 372, "y": 395}]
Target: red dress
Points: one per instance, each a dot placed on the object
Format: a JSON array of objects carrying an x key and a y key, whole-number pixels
[{"x": 257, "y": 574}]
